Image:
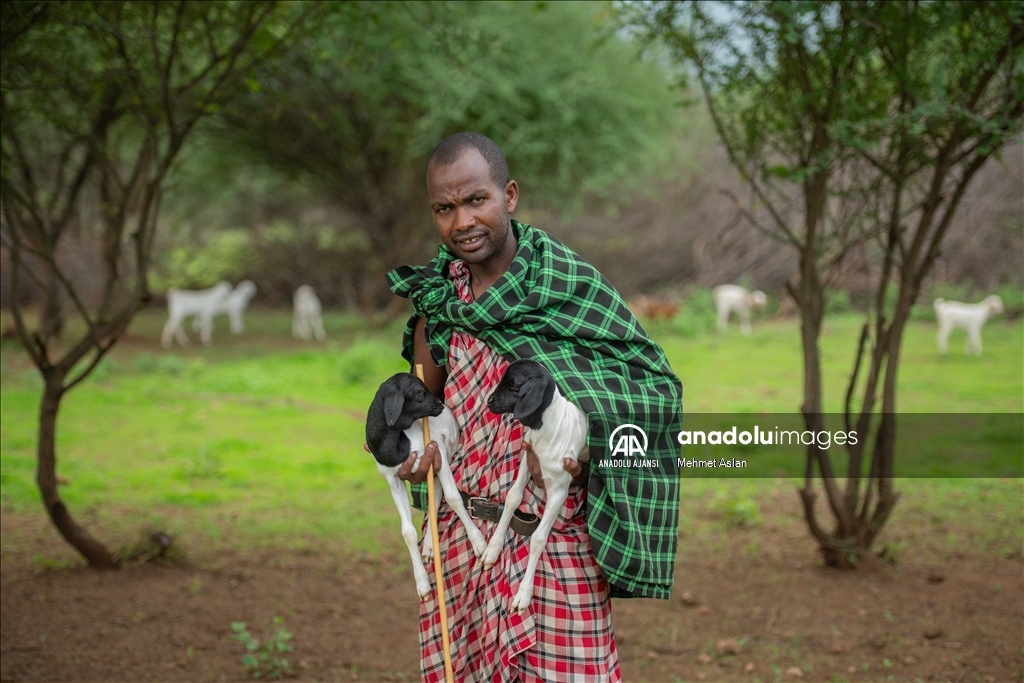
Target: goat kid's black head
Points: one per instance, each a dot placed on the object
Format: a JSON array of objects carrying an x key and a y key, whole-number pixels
[
  {"x": 407, "y": 399},
  {"x": 525, "y": 390}
]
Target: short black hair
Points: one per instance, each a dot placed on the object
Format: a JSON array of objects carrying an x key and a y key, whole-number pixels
[{"x": 452, "y": 147}]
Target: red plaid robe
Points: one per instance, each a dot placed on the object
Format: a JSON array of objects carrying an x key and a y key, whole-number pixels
[{"x": 567, "y": 633}]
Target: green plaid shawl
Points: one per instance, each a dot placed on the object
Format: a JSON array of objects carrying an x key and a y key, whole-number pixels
[{"x": 557, "y": 309}]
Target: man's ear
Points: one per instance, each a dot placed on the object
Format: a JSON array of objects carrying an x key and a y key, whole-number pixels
[
  {"x": 531, "y": 395},
  {"x": 511, "y": 195},
  {"x": 393, "y": 402}
]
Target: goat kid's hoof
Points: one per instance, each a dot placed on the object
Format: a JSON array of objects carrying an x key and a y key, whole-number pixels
[
  {"x": 479, "y": 545},
  {"x": 424, "y": 590},
  {"x": 490, "y": 556},
  {"x": 521, "y": 602}
]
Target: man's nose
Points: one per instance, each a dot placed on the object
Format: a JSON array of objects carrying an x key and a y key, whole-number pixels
[{"x": 464, "y": 218}]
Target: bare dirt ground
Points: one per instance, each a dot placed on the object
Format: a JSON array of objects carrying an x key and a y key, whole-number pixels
[{"x": 737, "y": 614}]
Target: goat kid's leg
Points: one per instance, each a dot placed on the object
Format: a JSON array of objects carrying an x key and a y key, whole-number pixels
[
  {"x": 974, "y": 339},
  {"x": 171, "y": 328},
  {"x": 454, "y": 498},
  {"x": 744, "y": 314},
  {"x": 427, "y": 549},
  {"x": 237, "y": 326},
  {"x": 179, "y": 334},
  {"x": 723, "y": 319},
  {"x": 512, "y": 501},
  {"x": 943, "y": 337},
  {"x": 409, "y": 535},
  {"x": 556, "y": 493},
  {"x": 206, "y": 327}
]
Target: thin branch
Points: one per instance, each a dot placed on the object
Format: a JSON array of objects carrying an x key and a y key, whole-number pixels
[
  {"x": 38, "y": 357},
  {"x": 52, "y": 263},
  {"x": 740, "y": 211}
]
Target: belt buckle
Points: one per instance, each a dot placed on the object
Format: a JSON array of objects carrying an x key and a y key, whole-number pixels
[{"x": 482, "y": 508}]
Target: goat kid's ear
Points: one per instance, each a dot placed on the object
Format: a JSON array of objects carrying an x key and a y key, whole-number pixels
[
  {"x": 530, "y": 396},
  {"x": 393, "y": 402}
]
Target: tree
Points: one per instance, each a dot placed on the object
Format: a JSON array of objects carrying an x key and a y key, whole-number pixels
[
  {"x": 858, "y": 126},
  {"x": 355, "y": 110},
  {"x": 98, "y": 100}
]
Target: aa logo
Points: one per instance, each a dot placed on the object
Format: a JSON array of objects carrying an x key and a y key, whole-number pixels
[{"x": 628, "y": 441}]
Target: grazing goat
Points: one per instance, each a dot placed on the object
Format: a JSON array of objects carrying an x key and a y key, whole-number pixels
[
  {"x": 202, "y": 303},
  {"x": 306, "y": 321},
  {"x": 556, "y": 429},
  {"x": 393, "y": 431},
  {"x": 970, "y": 317},
  {"x": 234, "y": 305},
  {"x": 730, "y": 298},
  {"x": 651, "y": 309}
]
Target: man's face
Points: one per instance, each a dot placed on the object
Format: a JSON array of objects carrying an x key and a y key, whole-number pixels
[{"x": 470, "y": 212}]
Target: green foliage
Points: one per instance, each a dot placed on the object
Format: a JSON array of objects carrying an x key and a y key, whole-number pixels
[
  {"x": 837, "y": 301},
  {"x": 344, "y": 120},
  {"x": 264, "y": 659},
  {"x": 739, "y": 511},
  {"x": 1013, "y": 301},
  {"x": 221, "y": 255},
  {"x": 697, "y": 315},
  {"x": 890, "y": 552},
  {"x": 566, "y": 99}
]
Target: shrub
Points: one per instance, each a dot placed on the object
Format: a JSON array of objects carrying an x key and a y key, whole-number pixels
[
  {"x": 739, "y": 512},
  {"x": 262, "y": 659},
  {"x": 837, "y": 301},
  {"x": 697, "y": 315}
]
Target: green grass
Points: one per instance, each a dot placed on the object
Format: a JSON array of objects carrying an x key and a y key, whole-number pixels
[
  {"x": 763, "y": 373},
  {"x": 258, "y": 440}
]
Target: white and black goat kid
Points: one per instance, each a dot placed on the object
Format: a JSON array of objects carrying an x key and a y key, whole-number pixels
[
  {"x": 393, "y": 432},
  {"x": 555, "y": 428}
]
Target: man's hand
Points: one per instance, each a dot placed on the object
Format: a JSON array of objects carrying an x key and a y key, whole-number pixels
[
  {"x": 578, "y": 470},
  {"x": 405, "y": 471}
]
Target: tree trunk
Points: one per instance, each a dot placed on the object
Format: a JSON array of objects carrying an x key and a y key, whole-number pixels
[
  {"x": 46, "y": 478},
  {"x": 51, "y": 322}
]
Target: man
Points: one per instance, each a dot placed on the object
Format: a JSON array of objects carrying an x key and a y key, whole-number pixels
[{"x": 501, "y": 290}]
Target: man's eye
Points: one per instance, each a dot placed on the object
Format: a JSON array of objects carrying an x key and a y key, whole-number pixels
[{"x": 476, "y": 200}]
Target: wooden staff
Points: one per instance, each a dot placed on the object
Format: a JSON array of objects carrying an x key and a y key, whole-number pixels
[{"x": 432, "y": 514}]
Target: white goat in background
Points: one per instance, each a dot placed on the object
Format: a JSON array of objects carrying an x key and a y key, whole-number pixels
[
  {"x": 233, "y": 305},
  {"x": 971, "y": 317},
  {"x": 730, "y": 298},
  {"x": 201, "y": 303},
  {"x": 307, "y": 321}
]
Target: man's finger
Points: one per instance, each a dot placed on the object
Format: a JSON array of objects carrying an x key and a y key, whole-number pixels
[
  {"x": 571, "y": 466},
  {"x": 405, "y": 469},
  {"x": 431, "y": 456}
]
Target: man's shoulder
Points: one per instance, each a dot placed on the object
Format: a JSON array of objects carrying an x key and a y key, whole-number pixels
[{"x": 545, "y": 243}]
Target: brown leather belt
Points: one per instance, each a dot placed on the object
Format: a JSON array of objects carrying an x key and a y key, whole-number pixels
[{"x": 522, "y": 523}]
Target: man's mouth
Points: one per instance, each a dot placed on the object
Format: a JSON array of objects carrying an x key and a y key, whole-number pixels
[{"x": 471, "y": 242}]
